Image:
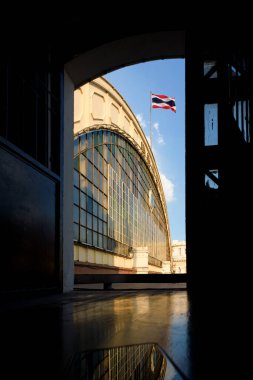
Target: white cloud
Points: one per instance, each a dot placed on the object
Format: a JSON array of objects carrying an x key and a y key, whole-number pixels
[
  {"x": 148, "y": 138},
  {"x": 168, "y": 188},
  {"x": 156, "y": 126},
  {"x": 160, "y": 139},
  {"x": 141, "y": 120},
  {"x": 143, "y": 124}
]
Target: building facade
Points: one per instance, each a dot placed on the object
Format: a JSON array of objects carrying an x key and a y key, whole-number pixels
[
  {"x": 120, "y": 215},
  {"x": 178, "y": 256}
]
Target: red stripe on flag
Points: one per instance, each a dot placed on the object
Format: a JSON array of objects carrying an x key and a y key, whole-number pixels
[
  {"x": 165, "y": 107},
  {"x": 161, "y": 96}
]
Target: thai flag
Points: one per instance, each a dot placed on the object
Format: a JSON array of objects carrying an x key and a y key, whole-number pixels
[{"x": 163, "y": 101}]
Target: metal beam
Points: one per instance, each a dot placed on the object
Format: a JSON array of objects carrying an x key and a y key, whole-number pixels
[{"x": 130, "y": 278}]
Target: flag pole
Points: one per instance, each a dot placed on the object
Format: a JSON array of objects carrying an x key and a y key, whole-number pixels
[{"x": 150, "y": 119}]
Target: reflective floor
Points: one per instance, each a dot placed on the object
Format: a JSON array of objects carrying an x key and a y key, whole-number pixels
[
  {"x": 139, "y": 362},
  {"x": 44, "y": 338},
  {"x": 204, "y": 338}
]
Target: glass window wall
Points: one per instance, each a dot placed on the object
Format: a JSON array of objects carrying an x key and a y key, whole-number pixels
[{"x": 112, "y": 187}]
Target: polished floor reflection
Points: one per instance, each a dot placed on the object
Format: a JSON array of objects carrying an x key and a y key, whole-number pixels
[
  {"x": 45, "y": 335},
  {"x": 139, "y": 362}
]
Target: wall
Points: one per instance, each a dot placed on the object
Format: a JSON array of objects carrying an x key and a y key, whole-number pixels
[
  {"x": 179, "y": 256},
  {"x": 28, "y": 224}
]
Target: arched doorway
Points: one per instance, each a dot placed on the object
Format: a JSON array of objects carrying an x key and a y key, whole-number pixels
[{"x": 95, "y": 63}]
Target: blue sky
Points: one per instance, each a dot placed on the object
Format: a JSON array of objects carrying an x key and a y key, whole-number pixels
[{"x": 164, "y": 77}]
